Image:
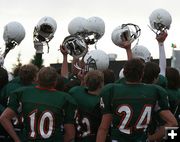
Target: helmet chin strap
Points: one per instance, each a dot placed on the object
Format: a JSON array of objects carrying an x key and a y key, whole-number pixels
[{"x": 10, "y": 45}]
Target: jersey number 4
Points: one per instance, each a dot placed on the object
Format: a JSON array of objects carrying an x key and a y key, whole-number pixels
[
  {"x": 126, "y": 113},
  {"x": 44, "y": 126}
]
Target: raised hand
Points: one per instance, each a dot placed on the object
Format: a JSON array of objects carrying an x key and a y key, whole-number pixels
[{"x": 161, "y": 37}]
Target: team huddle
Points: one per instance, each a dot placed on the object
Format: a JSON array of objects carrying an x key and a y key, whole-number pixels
[{"x": 87, "y": 103}]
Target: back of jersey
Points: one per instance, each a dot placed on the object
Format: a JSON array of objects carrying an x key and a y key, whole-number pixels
[
  {"x": 88, "y": 117},
  {"x": 131, "y": 106},
  {"x": 44, "y": 112}
]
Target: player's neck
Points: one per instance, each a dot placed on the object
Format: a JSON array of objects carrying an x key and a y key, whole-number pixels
[
  {"x": 51, "y": 88},
  {"x": 96, "y": 92},
  {"x": 135, "y": 82}
]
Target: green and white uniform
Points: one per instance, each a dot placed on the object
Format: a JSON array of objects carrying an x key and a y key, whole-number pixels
[
  {"x": 131, "y": 106},
  {"x": 44, "y": 111},
  {"x": 174, "y": 100},
  {"x": 89, "y": 115}
]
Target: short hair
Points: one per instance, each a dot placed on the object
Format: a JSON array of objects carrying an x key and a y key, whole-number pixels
[
  {"x": 60, "y": 83},
  {"x": 133, "y": 70},
  {"x": 71, "y": 84},
  {"x": 47, "y": 76},
  {"x": 151, "y": 72},
  {"x": 3, "y": 77},
  {"x": 94, "y": 79},
  {"x": 27, "y": 73},
  {"x": 173, "y": 78},
  {"x": 109, "y": 76}
]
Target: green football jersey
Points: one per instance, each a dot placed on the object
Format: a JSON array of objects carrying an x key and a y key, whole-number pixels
[
  {"x": 174, "y": 100},
  {"x": 44, "y": 112},
  {"x": 89, "y": 115},
  {"x": 122, "y": 80},
  {"x": 5, "y": 93},
  {"x": 131, "y": 106},
  {"x": 162, "y": 81}
]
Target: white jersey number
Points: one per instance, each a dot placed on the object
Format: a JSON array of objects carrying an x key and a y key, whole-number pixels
[
  {"x": 126, "y": 112},
  {"x": 45, "y": 124}
]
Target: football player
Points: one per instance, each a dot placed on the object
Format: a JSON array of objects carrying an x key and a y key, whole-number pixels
[
  {"x": 3, "y": 81},
  {"x": 88, "y": 117},
  {"x": 173, "y": 90},
  {"x": 128, "y": 107},
  {"x": 44, "y": 110}
]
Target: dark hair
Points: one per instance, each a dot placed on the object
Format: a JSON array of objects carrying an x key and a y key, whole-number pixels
[
  {"x": 109, "y": 76},
  {"x": 173, "y": 78},
  {"x": 27, "y": 73},
  {"x": 133, "y": 70},
  {"x": 94, "y": 79},
  {"x": 3, "y": 77},
  {"x": 71, "y": 84},
  {"x": 151, "y": 72},
  {"x": 47, "y": 76},
  {"x": 60, "y": 83}
]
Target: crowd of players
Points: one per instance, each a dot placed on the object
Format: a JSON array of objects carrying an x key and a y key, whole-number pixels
[{"x": 45, "y": 105}]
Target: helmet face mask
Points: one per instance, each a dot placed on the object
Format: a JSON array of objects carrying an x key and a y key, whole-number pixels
[
  {"x": 75, "y": 45},
  {"x": 90, "y": 64}
]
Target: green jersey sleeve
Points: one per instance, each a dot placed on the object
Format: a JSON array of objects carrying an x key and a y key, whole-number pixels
[
  {"x": 13, "y": 100},
  {"x": 162, "y": 99},
  {"x": 105, "y": 100},
  {"x": 162, "y": 81},
  {"x": 70, "y": 109}
]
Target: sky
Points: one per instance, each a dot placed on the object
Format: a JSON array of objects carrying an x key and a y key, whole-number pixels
[{"x": 113, "y": 12}]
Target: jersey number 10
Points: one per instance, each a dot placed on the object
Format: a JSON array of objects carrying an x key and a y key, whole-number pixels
[{"x": 45, "y": 124}]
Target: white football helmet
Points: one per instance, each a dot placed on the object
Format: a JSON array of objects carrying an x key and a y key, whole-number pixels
[
  {"x": 13, "y": 34},
  {"x": 125, "y": 32},
  {"x": 75, "y": 45},
  {"x": 13, "y": 31},
  {"x": 77, "y": 25},
  {"x": 96, "y": 29},
  {"x": 45, "y": 29},
  {"x": 141, "y": 52},
  {"x": 96, "y": 59},
  {"x": 160, "y": 19}
]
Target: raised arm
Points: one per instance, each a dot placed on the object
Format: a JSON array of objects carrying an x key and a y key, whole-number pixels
[
  {"x": 162, "y": 56},
  {"x": 64, "y": 67},
  {"x": 38, "y": 61}
]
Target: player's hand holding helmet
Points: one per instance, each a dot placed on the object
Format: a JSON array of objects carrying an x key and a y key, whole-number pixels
[
  {"x": 161, "y": 37},
  {"x": 75, "y": 45},
  {"x": 13, "y": 34},
  {"x": 38, "y": 46},
  {"x": 160, "y": 20},
  {"x": 125, "y": 34},
  {"x": 44, "y": 31}
]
